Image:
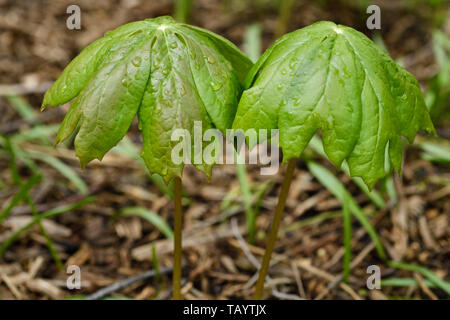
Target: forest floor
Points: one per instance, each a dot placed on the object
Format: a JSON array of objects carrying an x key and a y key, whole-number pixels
[{"x": 412, "y": 219}]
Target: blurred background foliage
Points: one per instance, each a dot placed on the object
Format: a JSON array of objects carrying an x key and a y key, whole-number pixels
[{"x": 114, "y": 218}]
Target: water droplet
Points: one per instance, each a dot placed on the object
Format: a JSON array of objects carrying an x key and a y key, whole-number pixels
[
  {"x": 283, "y": 71},
  {"x": 280, "y": 86},
  {"x": 216, "y": 85},
  {"x": 293, "y": 64},
  {"x": 165, "y": 72},
  {"x": 173, "y": 45},
  {"x": 166, "y": 92},
  {"x": 136, "y": 61},
  {"x": 296, "y": 101},
  {"x": 211, "y": 60},
  {"x": 125, "y": 82}
]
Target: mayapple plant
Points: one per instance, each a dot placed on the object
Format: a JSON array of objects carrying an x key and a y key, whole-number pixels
[
  {"x": 334, "y": 79},
  {"x": 170, "y": 75}
]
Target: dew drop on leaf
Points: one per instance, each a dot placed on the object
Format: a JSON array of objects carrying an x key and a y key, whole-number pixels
[
  {"x": 293, "y": 64},
  {"x": 211, "y": 60},
  {"x": 216, "y": 85},
  {"x": 157, "y": 110},
  {"x": 136, "y": 61}
]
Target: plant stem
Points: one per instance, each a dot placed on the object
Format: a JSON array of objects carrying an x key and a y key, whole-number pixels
[
  {"x": 178, "y": 219},
  {"x": 274, "y": 229},
  {"x": 284, "y": 17},
  {"x": 182, "y": 10}
]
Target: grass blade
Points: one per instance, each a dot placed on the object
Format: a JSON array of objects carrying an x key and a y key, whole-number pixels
[
  {"x": 22, "y": 107},
  {"x": 347, "y": 221},
  {"x": 42, "y": 133},
  {"x": 374, "y": 196},
  {"x": 436, "y": 152},
  {"x": 46, "y": 215},
  {"x": 150, "y": 216},
  {"x": 404, "y": 282},
  {"x": 247, "y": 197},
  {"x": 433, "y": 278},
  {"x": 338, "y": 190},
  {"x": 252, "y": 41},
  {"x": 64, "y": 169},
  {"x": 23, "y": 192}
]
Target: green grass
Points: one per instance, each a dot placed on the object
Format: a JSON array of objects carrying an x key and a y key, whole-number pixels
[
  {"x": 339, "y": 191},
  {"x": 46, "y": 215},
  {"x": 127, "y": 148},
  {"x": 19, "y": 196},
  {"x": 149, "y": 216},
  {"x": 252, "y": 41},
  {"x": 428, "y": 274}
]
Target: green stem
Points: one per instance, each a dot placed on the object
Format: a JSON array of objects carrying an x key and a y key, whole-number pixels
[
  {"x": 182, "y": 10},
  {"x": 284, "y": 17},
  {"x": 274, "y": 229},
  {"x": 178, "y": 219}
]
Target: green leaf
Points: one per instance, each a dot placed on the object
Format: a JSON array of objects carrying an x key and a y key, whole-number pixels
[
  {"x": 169, "y": 74},
  {"x": 332, "y": 78},
  {"x": 240, "y": 62}
]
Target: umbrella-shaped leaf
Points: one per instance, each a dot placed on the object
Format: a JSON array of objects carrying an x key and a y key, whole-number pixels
[
  {"x": 169, "y": 74},
  {"x": 332, "y": 78}
]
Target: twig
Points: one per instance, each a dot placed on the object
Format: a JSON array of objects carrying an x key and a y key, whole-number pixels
[
  {"x": 358, "y": 259},
  {"x": 298, "y": 280},
  {"x": 257, "y": 265},
  {"x": 126, "y": 282},
  {"x": 424, "y": 287},
  {"x": 328, "y": 277},
  {"x": 244, "y": 246}
]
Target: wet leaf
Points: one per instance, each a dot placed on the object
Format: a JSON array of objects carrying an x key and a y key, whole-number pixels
[
  {"x": 333, "y": 78},
  {"x": 169, "y": 74}
]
